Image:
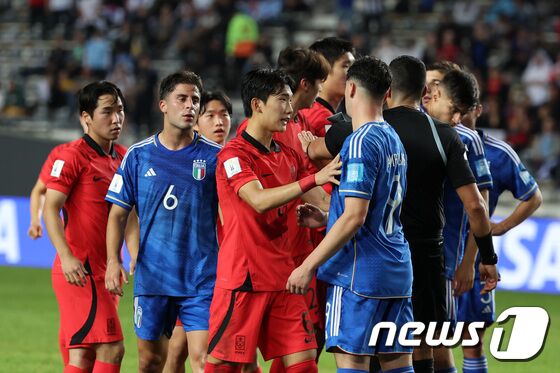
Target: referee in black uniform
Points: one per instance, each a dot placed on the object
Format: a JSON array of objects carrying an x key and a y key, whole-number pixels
[{"x": 435, "y": 152}]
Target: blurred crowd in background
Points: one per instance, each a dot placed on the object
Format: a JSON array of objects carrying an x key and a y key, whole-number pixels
[{"x": 48, "y": 49}]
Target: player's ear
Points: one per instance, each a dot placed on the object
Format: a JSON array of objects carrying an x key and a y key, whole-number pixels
[
  {"x": 304, "y": 85},
  {"x": 456, "y": 118},
  {"x": 256, "y": 105},
  {"x": 479, "y": 110},
  {"x": 163, "y": 106},
  {"x": 85, "y": 119},
  {"x": 353, "y": 89}
]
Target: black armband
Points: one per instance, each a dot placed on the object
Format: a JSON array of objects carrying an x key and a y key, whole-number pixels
[{"x": 486, "y": 249}]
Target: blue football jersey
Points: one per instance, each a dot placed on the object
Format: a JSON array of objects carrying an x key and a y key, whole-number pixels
[
  {"x": 175, "y": 196},
  {"x": 456, "y": 220},
  {"x": 508, "y": 173},
  {"x": 376, "y": 261}
]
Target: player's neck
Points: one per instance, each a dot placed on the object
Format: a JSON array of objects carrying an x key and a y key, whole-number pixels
[
  {"x": 403, "y": 101},
  {"x": 366, "y": 112},
  {"x": 259, "y": 133},
  {"x": 103, "y": 143},
  {"x": 333, "y": 99},
  {"x": 297, "y": 104},
  {"x": 175, "y": 138}
]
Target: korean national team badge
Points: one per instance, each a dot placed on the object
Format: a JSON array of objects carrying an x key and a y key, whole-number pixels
[{"x": 199, "y": 169}]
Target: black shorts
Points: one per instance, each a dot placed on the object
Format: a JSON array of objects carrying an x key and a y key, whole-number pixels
[{"x": 429, "y": 284}]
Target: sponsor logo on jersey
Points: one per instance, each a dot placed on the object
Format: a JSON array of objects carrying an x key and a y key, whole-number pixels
[{"x": 150, "y": 173}]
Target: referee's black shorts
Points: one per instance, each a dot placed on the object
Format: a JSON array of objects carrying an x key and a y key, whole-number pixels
[{"x": 429, "y": 284}]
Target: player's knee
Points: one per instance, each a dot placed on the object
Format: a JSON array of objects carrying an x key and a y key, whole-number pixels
[
  {"x": 150, "y": 362},
  {"x": 110, "y": 352},
  {"x": 198, "y": 358},
  {"x": 82, "y": 358}
]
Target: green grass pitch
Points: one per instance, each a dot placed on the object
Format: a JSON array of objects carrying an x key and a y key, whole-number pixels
[{"x": 29, "y": 327}]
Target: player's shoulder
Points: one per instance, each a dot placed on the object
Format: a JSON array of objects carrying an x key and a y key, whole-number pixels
[
  {"x": 138, "y": 148},
  {"x": 496, "y": 145},
  {"x": 470, "y": 137},
  {"x": 235, "y": 146},
  {"x": 208, "y": 144},
  {"x": 72, "y": 149}
]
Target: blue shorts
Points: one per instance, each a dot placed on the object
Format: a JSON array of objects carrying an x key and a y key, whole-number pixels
[
  {"x": 156, "y": 315},
  {"x": 351, "y": 319},
  {"x": 474, "y": 306}
]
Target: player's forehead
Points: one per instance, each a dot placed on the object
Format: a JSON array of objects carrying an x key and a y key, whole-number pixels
[
  {"x": 345, "y": 58},
  {"x": 215, "y": 106},
  {"x": 284, "y": 92},
  {"x": 185, "y": 89},
  {"x": 108, "y": 101},
  {"x": 433, "y": 76}
]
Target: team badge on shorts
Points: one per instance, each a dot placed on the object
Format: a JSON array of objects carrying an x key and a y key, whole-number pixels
[
  {"x": 199, "y": 169},
  {"x": 137, "y": 314}
]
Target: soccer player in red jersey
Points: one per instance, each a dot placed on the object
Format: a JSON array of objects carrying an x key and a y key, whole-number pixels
[
  {"x": 340, "y": 55},
  {"x": 256, "y": 178},
  {"x": 78, "y": 182}
]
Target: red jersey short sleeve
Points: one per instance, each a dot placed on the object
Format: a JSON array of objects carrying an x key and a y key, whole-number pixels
[
  {"x": 46, "y": 169},
  {"x": 238, "y": 168}
]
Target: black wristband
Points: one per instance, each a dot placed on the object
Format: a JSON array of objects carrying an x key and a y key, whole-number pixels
[{"x": 486, "y": 249}]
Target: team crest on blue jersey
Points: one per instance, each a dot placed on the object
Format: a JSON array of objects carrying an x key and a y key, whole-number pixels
[{"x": 199, "y": 169}]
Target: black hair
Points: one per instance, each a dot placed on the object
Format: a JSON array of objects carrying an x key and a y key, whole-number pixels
[
  {"x": 261, "y": 84},
  {"x": 169, "y": 83},
  {"x": 332, "y": 48},
  {"x": 443, "y": 66},
  {"x": 372, "y": 74},
  {"x": 215, "y": 95},
  {"x": 409, "y": 76},
  {"x": 301, "y": 63},
  {"x": 462, "y": 89},
  {"x": 89, "y": 95}
]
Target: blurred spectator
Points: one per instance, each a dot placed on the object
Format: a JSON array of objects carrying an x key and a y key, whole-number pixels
[
  {"x": 536, "y": 77},
  {"x": 542, "y": 156},
  {"x": 61, "y": 12},
  {"x": 97, "y": 55},
  {"x": 14, "y": 101},
  {"x": 37, "y": 17},
  {"x": 145, "y": 96},
  {"x": 241, "y": 42},
  {"x": 448, "y": 46},
  {"x": 518, "y": 129}
]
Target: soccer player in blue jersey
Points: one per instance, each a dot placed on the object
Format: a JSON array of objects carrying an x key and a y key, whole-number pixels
[
  {"x": 508, "y": 173},
  {"x": 170, "y": 179},
  {"x": 364, "y": 257},
  {"x": 452, "y": 98}
]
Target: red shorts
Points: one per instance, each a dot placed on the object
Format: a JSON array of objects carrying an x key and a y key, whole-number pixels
[
  {"x": 276, "y": 322},
  {"x": 87, "y": 314}
]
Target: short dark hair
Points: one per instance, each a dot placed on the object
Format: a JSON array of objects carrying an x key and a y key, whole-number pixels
[
  {"x": 301, "y": 63},
  {"x": 372, "y": 74},
  {"x": 409, "y": 76},
  {"x": 262, "y": 83},
  {"x": 462, "y": 89},
  {"x": 169, "y": 83},
  {"x": 443, "y": 66},
  {"x": 332, "y": 48},
  {"x": 89, "y": 95},
  {"x": 215, "y": 95}
]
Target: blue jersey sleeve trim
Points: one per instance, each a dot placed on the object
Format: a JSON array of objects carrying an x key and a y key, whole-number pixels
[
  {"x": 485, "y": 185},
  {"x": 355, "y": 193},
  {"x": 529, "y": 194},
  {"x": 117, "y": 201}
]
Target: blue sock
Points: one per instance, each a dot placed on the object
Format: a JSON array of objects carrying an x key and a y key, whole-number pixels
[
  {"x": 476, "y": 365},
  {"x": 407, "y": 369},
  {"x": 446, "y": 370},
  {"x": 348, "y": 370}
]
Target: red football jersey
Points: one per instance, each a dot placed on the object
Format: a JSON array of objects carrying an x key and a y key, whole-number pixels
[
  {"x": 46, "y": 169},
  {"x": 317, "y": 116},
  {"x": 298, "y": 237},
  {"x": 83, "y": 172},
  {"x": 253, "y": 244}
]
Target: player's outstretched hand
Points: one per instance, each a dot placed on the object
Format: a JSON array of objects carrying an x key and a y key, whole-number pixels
[
  {"x": 463, "y": 280},
  {"x": 35, "y": 230},
  {"x": 311, "y": 216},
  {"x": 114, "y": 277},
  {"x": 489, "y": 274},
  {"x": 498, "y": 229},
  {"x": 329, "y": 172},
  {"x": 299, "y": 280},
  {"x": 305, "y": 138},
  {"x": 73, "y": 270}
]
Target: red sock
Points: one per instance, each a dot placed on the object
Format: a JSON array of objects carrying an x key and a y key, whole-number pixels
[
  {"x": 222, "y": 368},
  {"x": 103, "y": 367},
  {"x": 277, "y": 366},
  {"x": 74, "y": 369},
  {"x": 309, "y": 366},
  {"x": 62, "y": 346}
]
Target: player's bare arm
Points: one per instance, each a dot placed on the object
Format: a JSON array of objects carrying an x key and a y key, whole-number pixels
[
  {"x": 342, "y": 231},
  {"x": 72, "y": 268},
  {"x": 480, "y": 227},
  {"x": 116, "y": 224},
  {"x": 262, "y": 199},
  {"x": 36, "y": 201},
  {"x": 522, "y": 211},
  {"x": 132, "y": 239},
  {"x": 314, "y": 146}
]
